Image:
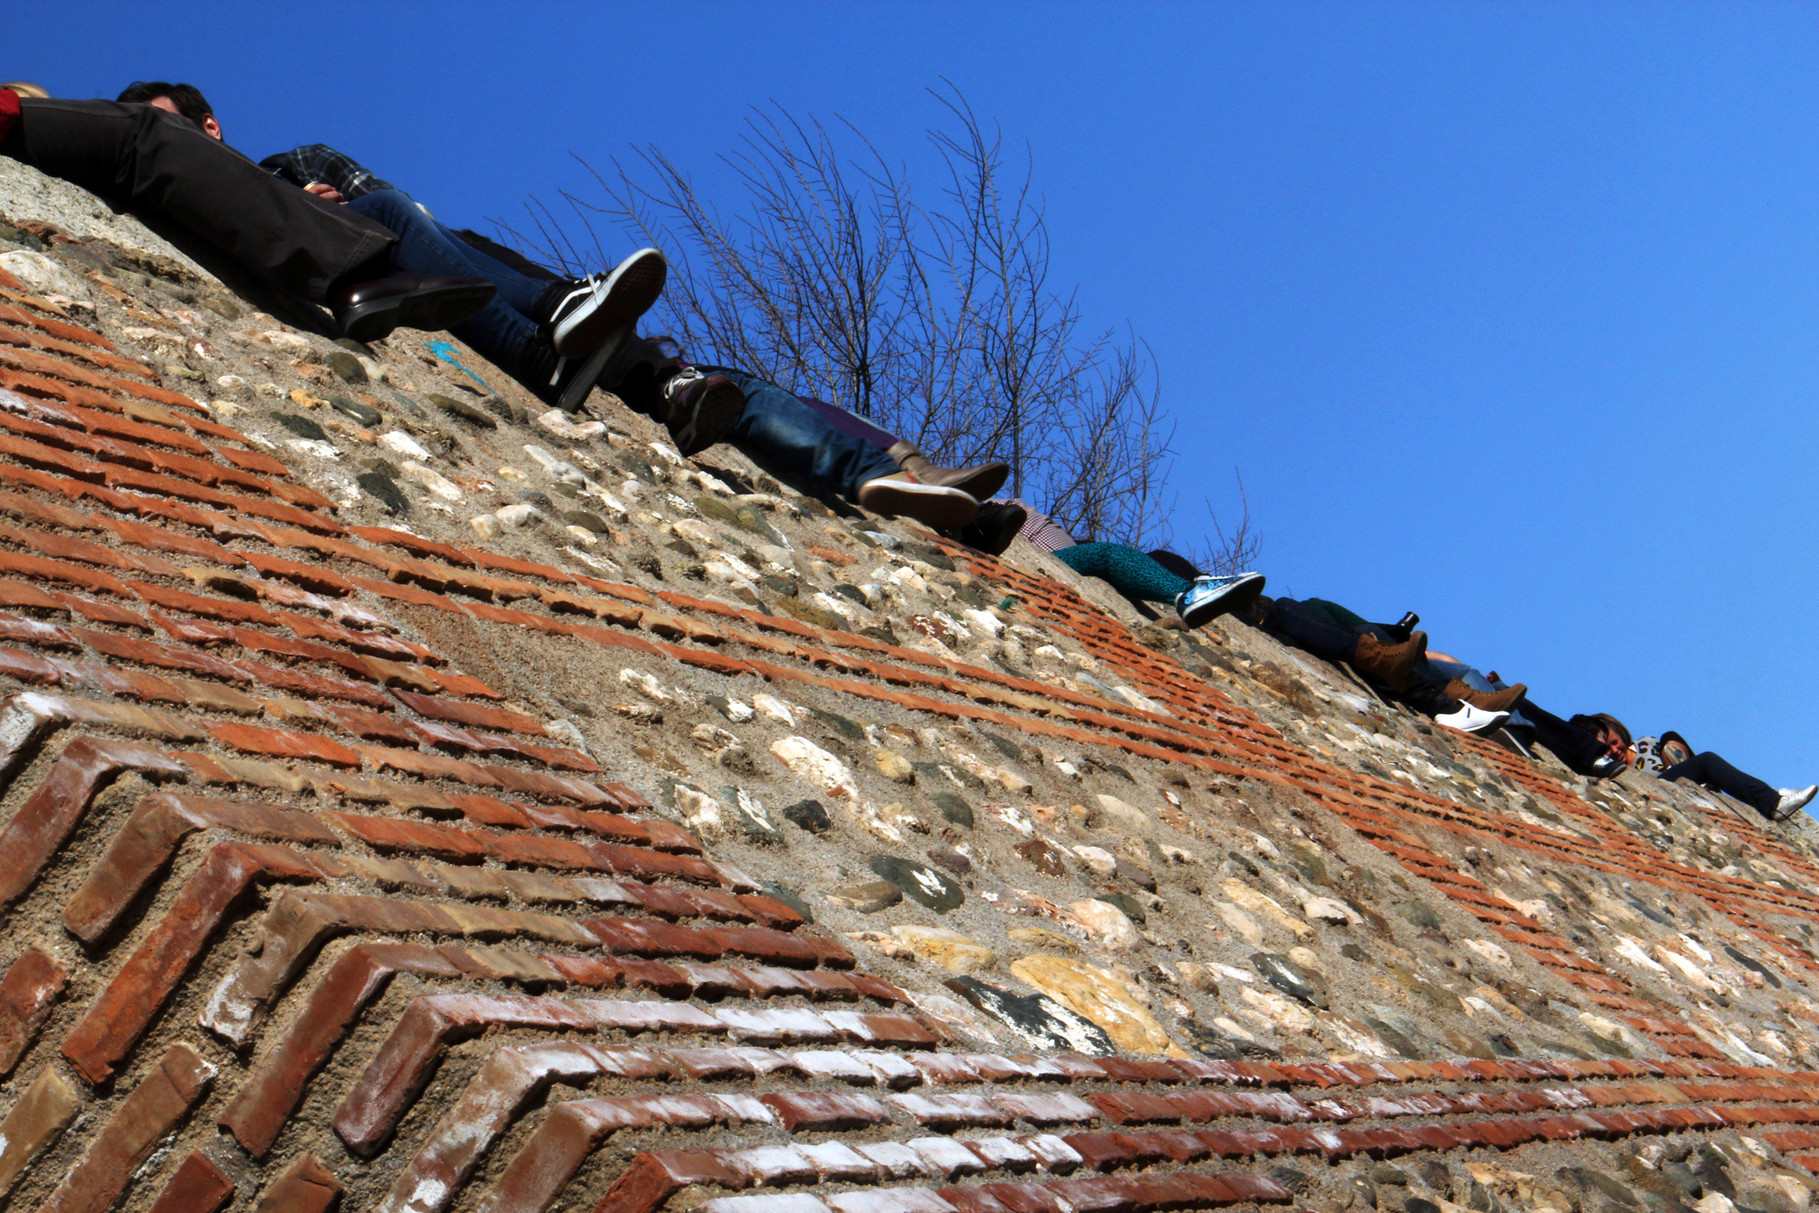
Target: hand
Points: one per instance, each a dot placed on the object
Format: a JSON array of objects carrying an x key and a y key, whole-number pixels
[{"x": 325, "y": 191}]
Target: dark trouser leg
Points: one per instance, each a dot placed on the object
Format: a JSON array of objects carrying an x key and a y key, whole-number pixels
[
  {"x": 1132, "y": 573},
  {"x": 786, "y": 431},
  {"x": 1291, "y": 623},
  {"x": 1709, "y": 770},
  {"x": 1575, "y": 747},
  {"x": 157, "y": 160},
  {"x": 146, "y": 157},
  {"x": 500, "y": 331}
]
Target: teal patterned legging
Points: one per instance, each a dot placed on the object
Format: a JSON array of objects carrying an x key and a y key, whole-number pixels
[{"x": 1131, "y": 572}]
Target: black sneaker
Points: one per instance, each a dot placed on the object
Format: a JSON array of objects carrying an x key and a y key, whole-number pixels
[
  {"x": 699, "y": 410},
  {"x": 601, "y": 304},
  {"x": 992, "y": 531}
]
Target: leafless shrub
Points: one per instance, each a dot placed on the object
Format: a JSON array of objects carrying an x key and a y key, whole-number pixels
[
  {"x": 933, "y": 318},
  {"x": 1235, "y": 552}
]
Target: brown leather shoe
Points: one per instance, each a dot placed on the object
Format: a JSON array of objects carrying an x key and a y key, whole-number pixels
[
  {"x": 1391, "y": 664},
  {"x": 369, "y": 311},
  {"x": 978, "y": 482},
  {"x": 1490, "y": 701}
]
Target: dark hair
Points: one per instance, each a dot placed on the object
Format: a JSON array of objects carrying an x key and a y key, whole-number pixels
[
  {"x": 186, "y": 97},
  {"x": 1602, "y": 720}
]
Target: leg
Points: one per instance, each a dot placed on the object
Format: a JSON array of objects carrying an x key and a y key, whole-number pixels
[
  {"x": 158, "y": 161},
  {"x": 1292, "y": 623},
  {"x": 1575, "y": 747},
  {"x": 851, "y": 424},
  {"x": 1131, "y": 572},
  {"x": 1709, "y": 770},
  {"x": 500, "y": 331},
  {"x": 782, "y": 428}
]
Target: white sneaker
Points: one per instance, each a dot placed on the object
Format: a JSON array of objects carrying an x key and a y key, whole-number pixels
[
  {"x": 1469, "y": 719},
  {"x": 601, "y": 304},
  {"x": 1793, "y": 800}
]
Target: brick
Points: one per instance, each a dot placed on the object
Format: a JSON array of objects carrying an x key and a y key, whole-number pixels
[
  {"x": 35, "y": 1120},
  {"x": 44, "y": 822},
  {"x": 826, "y": 1111},
  {"x": 174, "y": 1084},
  {"x": 890, "y": 1200},
  {"x": 478, "y": 715},
  {"x": 30, "y": 988},
  {"x": 197, "y": 1187},
  {"x": 306, "y": 1186},
  {"x": 952, "y": 1111},
  {"x": 116, "y": 1020},
  {"x": 367, "y": 1114},
  {"x": 284, "y": 743},
  {"x": 276, "y": 1086}
]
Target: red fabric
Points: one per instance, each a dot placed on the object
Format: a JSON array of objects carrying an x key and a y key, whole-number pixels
[{"x": 9, "y": 110}]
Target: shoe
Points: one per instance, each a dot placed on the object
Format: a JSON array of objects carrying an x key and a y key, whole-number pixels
[
  {"x": 1210, "y": 597},
  {"x": 1609, "y": 767},
  {"x": 1490, "y": 701},
  {"x": 1793, "y": 800},
  {"x": 575, "y": 378},
  {"x": 978, "y": 482},
  {"x": 369, "y": 311},
  {"x": 1391, "y": 664},
  {"x": 998, "y": 523},
  {"x": 602, "y": 304},
  {"x": 1469, "y": 719},
  {"x": 699, "y": 410},
  {"x": 933, "y": 505}
]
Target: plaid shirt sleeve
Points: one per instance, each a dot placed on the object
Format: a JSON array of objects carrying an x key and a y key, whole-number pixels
[
  {"x": 320, "y": 162},
  {"x": 1042, "y": 530}
]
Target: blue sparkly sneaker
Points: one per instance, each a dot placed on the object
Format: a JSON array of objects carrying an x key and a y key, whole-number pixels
[{"x": 1210, "y": 597}]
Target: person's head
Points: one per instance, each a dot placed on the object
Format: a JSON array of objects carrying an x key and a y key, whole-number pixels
[
  {"x": 26, "y": 88},
  {"x": 1610, "y": 732},
  {"x": 184, "y": 100},
  {"x": 1674, "y": 749}
]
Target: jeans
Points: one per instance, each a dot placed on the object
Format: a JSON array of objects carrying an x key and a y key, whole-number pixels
[
  {"x": 504, "y": 329},
  {"x": 804, "y": 445},
  {"x": 148, "y": 158},
  {"x": 852, "y": 425},
  {"x": 1313, "y": 629},
  {"x": 1709, "y": 770}
]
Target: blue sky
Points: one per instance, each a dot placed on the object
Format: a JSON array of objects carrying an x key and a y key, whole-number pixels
[{"x": 1506, "y": 312}]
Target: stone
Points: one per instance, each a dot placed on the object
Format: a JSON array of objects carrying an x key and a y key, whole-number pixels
[
  {"x": 867, "y": 897},
  {"x": 346, "y": 366},
  {"x": 362, "y": 414},
  {"x": 950, "y": 859},
  {"x": 384, "y": 490},
  {"x": 1292, "y": 979},
  {"x": 953, "y": 808},
  {"x": 788, "y": 897},
  {"x": 894, "y": 766},
  {"x": 1099, "y": 996},
  {"x": 1136, "y": 873},
  {"x": 470, "y": 413},
  {"x": 951, "y": 950},
  {"x": 1036, "y": 937},
  {"x": 1420, "y": 914},
  {"x": 1042, "y": 1021},
  {"x": 1042, "y": 855},
  {"x": 815, "y": 764},
  {"x": 1100, "y": 861},
  {"x": 42, "y": 275},
  {"x": 810, "y": 815},
  {"x": 920, "y": 883},
  {"x": 1105, "y": 925}
]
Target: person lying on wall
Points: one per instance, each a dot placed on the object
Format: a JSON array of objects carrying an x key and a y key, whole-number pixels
[
  {"x": 148, "y": 157},
  {"x": 552, "y": 337},
  {"x": 1671, "y": 757}
]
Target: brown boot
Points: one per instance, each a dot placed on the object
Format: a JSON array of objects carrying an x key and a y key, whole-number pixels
[
  {"x": 1391, "y": 664},
  {"x": 978, "y": 482},
  {"x": 1490, "y": 701}
]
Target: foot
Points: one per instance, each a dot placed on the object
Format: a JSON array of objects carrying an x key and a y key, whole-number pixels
[
  {"x": 601, "y": 304},
  {"x": 978, "y": 482},
  {"x": 1490, "y": 701},
  {"x": 1793, "y": 800},
  {"x": 699, "y": 409},
  {"x": 1391, "y": 664},
  {"x": 1609, "y": 767},
  {"x": 1469, "y": 719},
  {"x": 996, "y": 526},
  {"x": 369, "y": 311},
  {"x": 933, "y": 505},
  {"x": 1210, "y": 597},
  {"x": 575, "y": 378}
]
